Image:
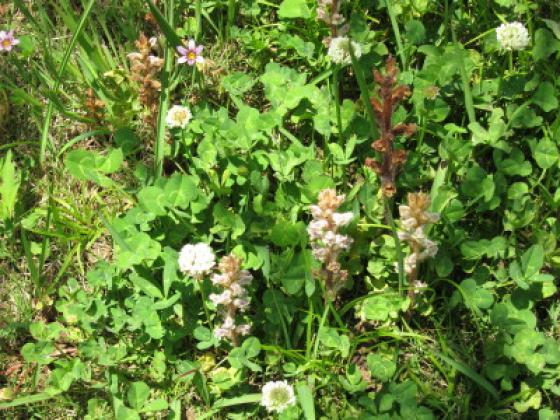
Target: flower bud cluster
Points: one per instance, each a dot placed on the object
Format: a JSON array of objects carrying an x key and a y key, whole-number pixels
[
  {"x": 145, "y": 68},
  {"x": 414, "y": 218},
  {"x": 326, "y": 242},
  {"x": 233, "y": 299}
]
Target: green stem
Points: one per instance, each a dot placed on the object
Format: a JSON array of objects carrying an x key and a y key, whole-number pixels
[
  {"x": 469, "y": 104},
  {"x": 58, "y": 81},
  {"x": 169, "y": 57},
  {"x": 510, "y": 61},
  {"x": 396, "y": 31},
  {"x": 230, "y": 18},
  {"x": 321, "y": 325},
  {"x": 336, "y": 91},
  {"x": 198, "y": 18},
  {"x": 398, "y": 248},
  {"x": 204, "y": 299}
]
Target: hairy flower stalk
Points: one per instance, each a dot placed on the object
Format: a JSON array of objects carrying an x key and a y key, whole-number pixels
[
  {"x": 389, "y": 94},
  {"x": 95, "y": 107},
  {"x": 145, "y": 70},
  {"x": 414, "y": 217},
  {"x": 328, "y": 11},
  {"x": 233, "y": 299},
  {"x": 326, "y": 242}
]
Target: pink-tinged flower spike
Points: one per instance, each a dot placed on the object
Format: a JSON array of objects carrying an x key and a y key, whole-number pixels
[
  {"x": 7, "y": 41},
  {"x": 192, "y": 54}
]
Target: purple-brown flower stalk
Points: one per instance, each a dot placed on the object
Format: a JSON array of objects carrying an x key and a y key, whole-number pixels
[{"x": 389, "y": 94}]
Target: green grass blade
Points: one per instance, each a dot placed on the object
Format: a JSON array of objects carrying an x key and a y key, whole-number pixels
[
  {"x": 471, "y": 374},
  {"x": 58, "y": 81}
]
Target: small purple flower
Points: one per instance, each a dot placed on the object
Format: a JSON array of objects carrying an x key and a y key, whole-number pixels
[
  {"x": 7, "y": 40},
  {"x": 190, "y": 55}
]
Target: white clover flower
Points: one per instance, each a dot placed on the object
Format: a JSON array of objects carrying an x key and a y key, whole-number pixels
[
  {"x": 277, "y": 396},
  {"x": 512, "y": 36},
  {"x": 196, "y": 260},
  {"x": 178, "y": 116},
  {"x": 339, "y": 50}
]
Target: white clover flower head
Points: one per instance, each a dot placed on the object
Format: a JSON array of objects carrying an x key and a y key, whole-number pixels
[
  {"x": 339, "y": 50},
  {"x": 196, "y": 259},
  {"x": 277, "y": 396},
  {"x": 192, "y": 54},
  {"x": 512, "y": 36},
  {"x": 7, "y": 41},
  {"x": 178, "y": 116}
]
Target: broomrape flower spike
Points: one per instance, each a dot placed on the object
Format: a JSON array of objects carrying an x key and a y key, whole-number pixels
[
  {"x": 414, "y": 217},
  {"x": 234, "y": 298},
  {"x": 196, "y": 260},
  {"x": 326, "y": 242},
  {"x": 178, "y": 116},
  {"x": 191, "y": 55},
  {"x": 389, "y": 95},
  {"x": 339, "y": 50},
  {"x": 277, "y": 396},
  {"x": 7, "y": 41},
  {"x": 145, "y": 68},
  {"x": 512, "y": 36}
]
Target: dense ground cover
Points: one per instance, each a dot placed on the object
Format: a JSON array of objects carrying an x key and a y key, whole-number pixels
[{"x": 279, "y": 209}]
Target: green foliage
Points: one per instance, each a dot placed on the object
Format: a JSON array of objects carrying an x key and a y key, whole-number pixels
[{"x": 109, "y": 326}]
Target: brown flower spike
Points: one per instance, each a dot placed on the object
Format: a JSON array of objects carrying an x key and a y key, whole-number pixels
[
  {"x": 145, "y": 69},
  {"x": 389, "y": 94}
]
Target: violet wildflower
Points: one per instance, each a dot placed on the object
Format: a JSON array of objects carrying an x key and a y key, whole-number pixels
[
  {"x": 191, "y": 55},
  {"x": 7, "y": 40}
]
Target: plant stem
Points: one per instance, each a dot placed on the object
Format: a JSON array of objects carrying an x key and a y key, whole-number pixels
[
  {"x": 164, "y": 98},
  {"x": 230, "y": 18},
  {"x": 336, "y": 91},
  {"x": 204, "y": 299},
  {"x": 198, "y": 18},
  {"x": 396, "y": 31},
  {"x": 398, "y": 248},
  {"x": 58, "y": 81},
  {"x": 469, "y": 104},
  {"x": 321, "y": 325}
]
